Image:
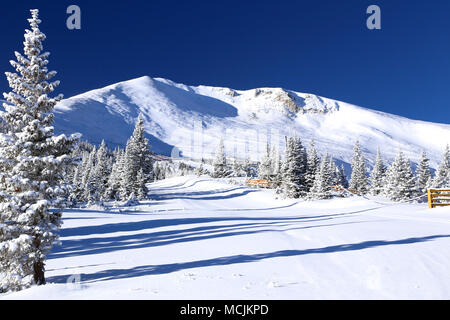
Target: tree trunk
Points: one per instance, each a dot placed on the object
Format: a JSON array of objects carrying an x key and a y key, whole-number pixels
[
  {"x": 38, "y": 266},
  {"x": 39, "y": 277}
]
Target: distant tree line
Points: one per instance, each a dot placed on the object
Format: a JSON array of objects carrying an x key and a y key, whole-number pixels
[
  {"x": 104, "y": 175},
  {"x": 304, "y": 174}
]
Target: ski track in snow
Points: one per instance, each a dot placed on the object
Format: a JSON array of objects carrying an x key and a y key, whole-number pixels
[{"x": 200, "y": 238}]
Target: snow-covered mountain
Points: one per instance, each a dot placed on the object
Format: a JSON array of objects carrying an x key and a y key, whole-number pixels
[{"x": 193, "y": 119}]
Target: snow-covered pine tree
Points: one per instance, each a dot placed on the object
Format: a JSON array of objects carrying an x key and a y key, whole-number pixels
[
  {"x": 442, "y": 178},
  {"x": 89, "y": 179},
  {"x": 399, "y": 184},
  {"x": 220, "y": 168},
  {"x": 321, "y": 186},
  {"x": 265, "y": 166},
  {"x": 184, "y": 169},
  {"x": 101, "y": 171},
  {"x": 76, "y": 193},
  {"x": 132, "y": 200},
  {"x": 129, "y": 171},
  {"x": 333, "y": 173},
  {"x": 76, "y": 187},
  {"x": 137, "y": 156},
  {"x": 200, "y": 170},
  {"x": 358, "y": 180},
  {"x": 168, "y": 170},
  {"x": 237, "y": 170},
  {"x": 277, "y": 167},
  {"x": 423, "y": 174},
  {"x": 294, "y": 169},
  {"x": 141, "y": 149},
  {"x": 377, "y": 176},
  {"x": 303, "y": 160},
  {"x": 110, "y": 160},
  {"x": 313, "y": 164},
  {"x": 157, "y": 172},
  {"x": 141, "y": 189},
  {"x": 247, "y": 167},
  {"x": 32, "y": 161},
  {"x": 343, "y": 182},
  {"x": 115, "y": 178}
]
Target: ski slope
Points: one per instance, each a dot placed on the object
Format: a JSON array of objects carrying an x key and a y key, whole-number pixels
[
  {"x": 194, "y": 118},
  {"x": 200, "y": 238}
]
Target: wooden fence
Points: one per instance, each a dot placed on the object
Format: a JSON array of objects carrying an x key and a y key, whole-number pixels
[
  {"x": 438, "y": 198},
  {"x": 261, "y": 183}
]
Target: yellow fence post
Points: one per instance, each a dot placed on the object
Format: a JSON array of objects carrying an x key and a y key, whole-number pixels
[
  {"x": 438, "y": 198},
  {"x": 430, "y": 201}
]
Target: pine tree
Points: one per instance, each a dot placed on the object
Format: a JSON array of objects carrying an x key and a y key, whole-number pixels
[
  {"x": 442, "y": 178},
  {"x": 313, "y": 164},
  {"x": 247, "y": 167},
  {"x": 199, "y": 171},
  {"x": 237, "y": 170},
  {"x": 141, "y": 149},
  {"x": 358, "y": 181},
  {"x": 277, "y": 167},
  {"x": 32, "y": 163},
  {"x": 220, "y": 162},
  {"x": 423, "y": 174},
  {"x": 74, "y": 192},
  {"x": 265, "y": 166},
  {"x": 140, "y": 189},
  {"x": 89, "y": 179},
  {"x": 294, "y": 184},
  {"x": 129, "y": 171},
  {"x": 137, "y": 157},
  {"x": 157, "y": 171},
  {"x": 343, "y": 181},
  {"x": 377, "y": 175},
  {"x": 115, "y": 178},
  {"x": 131, "y": 200},
  {"x": 333, "y": 173},
  {"x": 321, "y": 186},
  {"x": 80, "y": 157},
  {"x": 101, "y": 171},
  {"x": 399, "y": 184}
]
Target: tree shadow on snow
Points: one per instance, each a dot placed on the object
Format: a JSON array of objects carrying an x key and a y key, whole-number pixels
[
  {"x": 146, "y": 270},
  {"x": 158, "y": 223},
  {"x": 99, "y": 245},
  {"x": 204, "y": 195}
]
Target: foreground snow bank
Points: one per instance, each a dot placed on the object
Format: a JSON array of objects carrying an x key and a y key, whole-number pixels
[{"x": 199, "y": 238}]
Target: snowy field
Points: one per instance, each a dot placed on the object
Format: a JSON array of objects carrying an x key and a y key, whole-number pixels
[{"x": 204, "y": 239}]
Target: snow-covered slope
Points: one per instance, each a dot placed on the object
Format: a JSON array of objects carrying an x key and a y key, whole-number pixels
[
  {"x": 192, "y": 118},
  {"x": 200, "y": 238}
]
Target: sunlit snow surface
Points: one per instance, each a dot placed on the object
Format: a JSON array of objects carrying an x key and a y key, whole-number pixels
[{"x": 200, "y": 238}]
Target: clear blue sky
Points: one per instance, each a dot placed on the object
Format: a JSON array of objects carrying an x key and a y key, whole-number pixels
[{"x": 318, "y": 46}]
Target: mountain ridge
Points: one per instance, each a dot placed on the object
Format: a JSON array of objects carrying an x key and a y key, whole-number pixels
[{"x": 172, "y": 110}]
